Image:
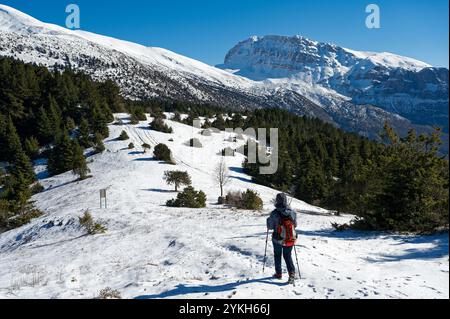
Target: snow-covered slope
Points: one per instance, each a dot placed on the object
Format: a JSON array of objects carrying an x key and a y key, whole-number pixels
[
  {"x": 144, "y": 72},
  {"x": 397, "y": 84},
  {"x": 152, "y": 251}
]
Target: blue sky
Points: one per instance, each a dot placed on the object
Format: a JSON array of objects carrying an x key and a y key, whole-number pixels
[{"x": 206, "y": 30}]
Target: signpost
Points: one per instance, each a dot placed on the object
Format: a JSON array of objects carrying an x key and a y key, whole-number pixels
[{"x": 103, "y": 196}]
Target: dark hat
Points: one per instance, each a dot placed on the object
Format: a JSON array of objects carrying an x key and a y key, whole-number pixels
[{"x": 281, "y": 201}]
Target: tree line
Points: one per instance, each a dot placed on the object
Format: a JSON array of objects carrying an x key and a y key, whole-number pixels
[{"x": 399, "y": 184}]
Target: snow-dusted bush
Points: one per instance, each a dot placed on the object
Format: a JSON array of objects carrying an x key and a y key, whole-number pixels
[
  {"x": 37, "y": 188},
  {"x": 189, "y": 198},
  {"x": 159, "y": 126},
  {"x": 92, "y": 227},
  {"x": 10, "y": 220},
  {"x": 123, "y": 136},
  {"x": 177, "y": 178},
  {"x": 99, "y": 147},
  {"x": 244, "y": 200},
  {"x": 146, "y": 147},
  {"x": 163, "y": 153},
  {"x": 130, "y": 146}
]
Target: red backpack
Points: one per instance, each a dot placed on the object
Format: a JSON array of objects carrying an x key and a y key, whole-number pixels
[{"x": 287, "y": 236}]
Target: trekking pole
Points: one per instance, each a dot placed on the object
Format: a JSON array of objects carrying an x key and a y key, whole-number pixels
[
  {"x": 298, "y": 268},
  {"x": 265, "y": 251}
]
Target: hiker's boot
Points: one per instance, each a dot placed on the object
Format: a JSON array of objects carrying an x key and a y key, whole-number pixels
[
  {"x": 278, "y": 276},
  {"x": 292, "y": 277}
]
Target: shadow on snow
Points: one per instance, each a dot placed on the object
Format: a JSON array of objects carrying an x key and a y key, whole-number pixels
[
  {"x": 438, "y": 243},
  {"x": 182, "y": 289}
]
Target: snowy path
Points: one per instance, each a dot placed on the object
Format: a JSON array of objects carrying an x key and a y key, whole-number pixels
[{"x": 152, "y": 251}]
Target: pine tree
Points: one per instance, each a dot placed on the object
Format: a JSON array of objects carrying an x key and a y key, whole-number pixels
[
  {"x": 15, "y": 154},
  {"x": 84, "y": 136},
  {"x": 17, "y": 190},
  {"x": 177, "y": 178},
  {"x": 44, "y": 127},
  {"x": 31, "y": 146},
  {"x": 79, "y": 165},
  {"x": 99, "y": 121},
  {"x": 408, "y": 189},
  {"x": 99, "y": 147},
  {"x": 61, "y": 156},
  {"x": 70, "y": 124}
]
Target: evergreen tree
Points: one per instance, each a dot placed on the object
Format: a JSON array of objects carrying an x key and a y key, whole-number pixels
[
  {"x": 44, "y": 127},
  {"x": 177, "y": 178},
  {"x": 408, "y": 188},
  {"x": 61, "y": 156},
  {"x": 31, "y": 146},
  {"x": 79, "y": 165},
  {"x": 84, "y": 136},
  {"x": 99, "y": 147},
  {"x": 17, "y": 190},
  {"x": 162, "y": 153},
  {"x": 16, "y": 156}
]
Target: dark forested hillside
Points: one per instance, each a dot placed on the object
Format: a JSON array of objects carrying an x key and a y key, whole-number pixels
[{"x": 399, "y": 185}]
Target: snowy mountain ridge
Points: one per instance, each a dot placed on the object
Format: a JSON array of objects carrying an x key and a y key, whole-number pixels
[
  {"x": 397, "y": 84},
  {"x": 148, "y": 72}
]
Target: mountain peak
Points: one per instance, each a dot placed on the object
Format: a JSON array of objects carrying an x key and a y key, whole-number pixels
[
  {"x": 277, "y": 56},
  {"x": 12, "y": 20}
]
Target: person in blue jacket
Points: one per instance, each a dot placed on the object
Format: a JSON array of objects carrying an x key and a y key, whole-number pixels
[{"x": 282, "y": 212}]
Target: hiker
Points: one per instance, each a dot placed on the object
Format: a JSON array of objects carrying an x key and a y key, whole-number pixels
[{"x": 283, "y": 222}]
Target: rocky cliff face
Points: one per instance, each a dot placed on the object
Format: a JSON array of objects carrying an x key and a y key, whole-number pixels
[{"x": 400, "y": 85}]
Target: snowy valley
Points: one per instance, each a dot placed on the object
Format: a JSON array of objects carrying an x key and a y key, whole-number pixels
[{"x": 153, "y": 251}]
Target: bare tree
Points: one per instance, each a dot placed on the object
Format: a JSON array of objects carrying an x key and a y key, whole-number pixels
[{"x": 222, "y": 176}]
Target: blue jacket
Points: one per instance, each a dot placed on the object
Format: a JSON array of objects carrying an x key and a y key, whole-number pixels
[
  {"x": 282, "y": 211},
  {"x": 275, "y": 217}
]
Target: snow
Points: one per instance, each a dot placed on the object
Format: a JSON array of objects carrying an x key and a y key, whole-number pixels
[
  {"x": 152, "y": 251},
  {"x": 12, "y": 20}
]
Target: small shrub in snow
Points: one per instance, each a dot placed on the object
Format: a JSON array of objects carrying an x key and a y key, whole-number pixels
[
  {"x": 130, "y": 146},
  {"x": 176, "y": 117},
  {"x": 146, "y": 147},
  {"x": 134, "y": 119},
  {"x": 109, "y": 293},
  {"x": 99, "y": 147},
  {"x": 9, "y": 220},
  {"x": 234, "y": 199},
  {"x": 189, "y": 198},
  {"x": 163, "y": 153},
  {"x": 123, "y": 136},
  {"x": 92, "y": 227},
  {"x": 159, "y": 125},
  {"x": 244, "y": 200},
  {"x": 37, "y": 188},
  {"x": 251, "y": 200}
]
